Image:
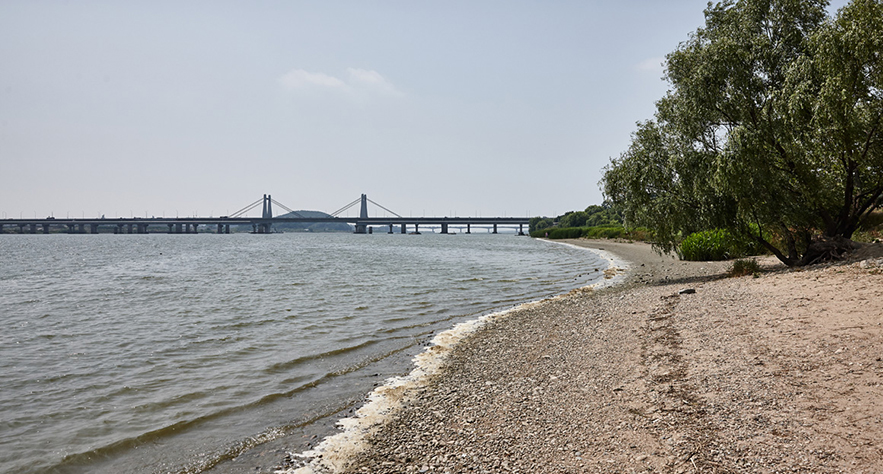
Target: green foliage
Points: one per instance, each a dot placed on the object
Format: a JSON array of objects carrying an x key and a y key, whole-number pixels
[
  {"x": 744, "y": 267},
  {"x": 573, "y": 219},
  {"x": 871, "y": 229},
  {"x": 593, "y": 216},
  {"x": 597, "y": 232},
  {"x": 717, "y": 244},
  {"x": 773, "y": 119},
  {"x": 602, "y": 215},
  {"x": 559, "y": 233},
  {"x": 873, "y": 222},
  {"x": 706, "y": 245},
  {"x": 540, "y": 223}
]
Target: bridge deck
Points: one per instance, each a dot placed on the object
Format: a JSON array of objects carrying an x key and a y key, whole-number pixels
[{"x": 140, "y": 223}]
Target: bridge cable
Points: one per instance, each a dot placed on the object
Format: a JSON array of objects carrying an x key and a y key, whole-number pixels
[
  {"x": 335, "y": 213},
  {"x": 283, "y": 206},
  {"x": 385, "y": 209},
  {"x": 247, "y": 208}
]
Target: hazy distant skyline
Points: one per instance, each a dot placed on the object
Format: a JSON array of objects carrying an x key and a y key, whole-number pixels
[{"x": 443, "y": 108}]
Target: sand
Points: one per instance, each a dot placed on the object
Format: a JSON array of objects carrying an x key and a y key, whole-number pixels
[{"x": 775, "y": 373}]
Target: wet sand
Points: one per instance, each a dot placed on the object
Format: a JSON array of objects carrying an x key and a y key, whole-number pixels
[{"x": 778, "y": 373}]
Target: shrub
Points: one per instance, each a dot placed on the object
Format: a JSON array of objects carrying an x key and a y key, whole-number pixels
[
  {"x": 597, "y": 232},
  {"x": 717, "y": 244},
  {"x": 744, "y": 267},
  {"x": 871, "y": 229},
  {"x": 874, "y": 221},
  {"x": 706, "y": 245}
]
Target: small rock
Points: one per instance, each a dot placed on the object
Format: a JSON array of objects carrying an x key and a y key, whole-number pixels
[{"x": 687, "y": 291}]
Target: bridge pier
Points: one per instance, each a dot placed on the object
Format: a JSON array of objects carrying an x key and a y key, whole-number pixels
[
  {"x": 220, "y": 228},
  {"x": 444, "y": 228},
  {"x": 128, "y": 228},
  {"x": 179, "y": 228},
  {"x": 81, "y": 228},
  {"x": 195, "y": 228},
  {"x": 390, "y": 229},
  {"x": 495, "y": 228},
  {"x": 468, "y": 228},
  {"x": 33, "y": 228},
  {"x": 416, "y": 228},
  {"x": 363, "y": 214},
  {"x": 520, "y": 229},
  {"x": 1, "y": 228},
  {"x": 93, "y": 228}
]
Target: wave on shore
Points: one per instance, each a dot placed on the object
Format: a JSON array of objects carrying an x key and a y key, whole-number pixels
[{"x": 334, "y": 452}]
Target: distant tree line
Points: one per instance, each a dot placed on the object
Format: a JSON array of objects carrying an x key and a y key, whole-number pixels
[{"x": 592, "y": 216}]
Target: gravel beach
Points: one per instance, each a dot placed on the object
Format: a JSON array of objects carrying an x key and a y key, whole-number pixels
[{"x": 778, "y": 372}]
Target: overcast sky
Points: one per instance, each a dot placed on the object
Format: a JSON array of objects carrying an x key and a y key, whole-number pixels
[{"x": 431, "y": 108}]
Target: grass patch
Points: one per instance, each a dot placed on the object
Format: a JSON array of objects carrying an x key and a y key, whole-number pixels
[{"x": 744, "y": 267}]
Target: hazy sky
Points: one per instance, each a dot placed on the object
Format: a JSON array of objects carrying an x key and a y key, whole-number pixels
[{"x": 430, "y": 108}]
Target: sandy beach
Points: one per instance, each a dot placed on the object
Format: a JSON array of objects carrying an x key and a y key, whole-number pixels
[{"x": 779, "y": 372}]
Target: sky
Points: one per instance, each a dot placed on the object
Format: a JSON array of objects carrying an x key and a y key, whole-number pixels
[{"x": 431, "y": 108}]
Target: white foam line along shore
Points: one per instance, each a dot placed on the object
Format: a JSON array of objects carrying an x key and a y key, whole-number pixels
[
  {"x": 333, "y": 453},
  {"x": 616, "y": 266}
]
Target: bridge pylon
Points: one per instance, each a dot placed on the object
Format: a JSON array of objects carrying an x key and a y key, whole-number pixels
[
  {"x": 268, "y": 207},
  {"x": 266, "y": 213},
  {"x": 363, "y": 214}
]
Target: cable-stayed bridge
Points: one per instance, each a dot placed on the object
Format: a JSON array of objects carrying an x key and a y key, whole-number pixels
[{"x": 262, "y": 224}]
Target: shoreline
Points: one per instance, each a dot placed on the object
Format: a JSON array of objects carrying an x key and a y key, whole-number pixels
[
  {"x": 737, "y": 377},
  {"x": 334, "y": 451}
]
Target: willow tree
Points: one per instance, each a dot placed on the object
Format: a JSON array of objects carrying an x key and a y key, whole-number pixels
[{"x": 771, "y": 129}]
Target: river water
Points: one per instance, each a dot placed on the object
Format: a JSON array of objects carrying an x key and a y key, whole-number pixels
[{"x": 177, "y": 353}]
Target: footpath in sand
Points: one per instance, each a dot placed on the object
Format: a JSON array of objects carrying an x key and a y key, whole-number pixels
[{"x": 779, "y": 373}]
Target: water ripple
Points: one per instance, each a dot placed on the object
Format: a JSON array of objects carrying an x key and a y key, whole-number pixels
[{"x": 175, "y": 352}]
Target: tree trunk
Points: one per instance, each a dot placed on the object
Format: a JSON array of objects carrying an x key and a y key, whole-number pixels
[{"x": 825, "y": 249}]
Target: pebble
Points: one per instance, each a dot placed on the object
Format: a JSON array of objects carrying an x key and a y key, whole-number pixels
[{"x": 630, "y": 379}]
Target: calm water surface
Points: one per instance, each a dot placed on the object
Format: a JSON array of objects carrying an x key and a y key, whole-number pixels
[{"x": 176, "y": 353}]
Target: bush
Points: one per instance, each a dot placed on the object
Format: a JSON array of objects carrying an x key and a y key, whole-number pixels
[
  {"x": 871, "y": 229},
  {"x": 597, "y": 232},
  {"x": 745, "y": 267},
  {"x": 873, "y": 222},
  {"x": 717, "y": 244},
  {"x": 706, "y": 245}
]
